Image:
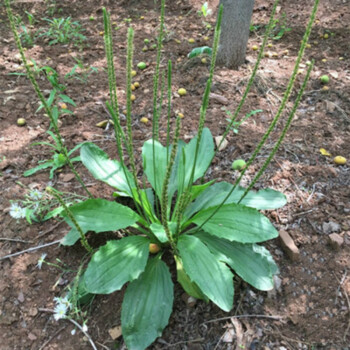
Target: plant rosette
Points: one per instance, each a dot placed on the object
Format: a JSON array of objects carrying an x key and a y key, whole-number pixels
[{"x": 209, "y": 240}]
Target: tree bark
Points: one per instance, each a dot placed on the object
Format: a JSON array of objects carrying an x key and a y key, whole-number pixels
[{"x": 234, "y": 36}]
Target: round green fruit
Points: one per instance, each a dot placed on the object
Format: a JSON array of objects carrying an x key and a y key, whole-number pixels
[
  {"x": 141, "y": 65},
  {"x": 324, "y": 79},
  {"x": 239, "y": 164},
  {"x": 21, "y": 122}
]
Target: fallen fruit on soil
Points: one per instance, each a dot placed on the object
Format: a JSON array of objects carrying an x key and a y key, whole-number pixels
[
  {"x": 102, "y": 33},
  {"x": 133, "y": 73},
  {"x": 137, "y": 84},
  {"x": 146, "y": 41},
  {"x": 239, "y": 164},
  {"x": 92, "y": 18},
  {"x": 154, "y": 248},
  {"x": 182, "y": 92},
  {"x": 191, "y": 41},
  {"x": 255, "y": 48},
  {"x": 144, "y": 120},
  {"x": 180, "y": 115},
  {"x": 204, "y": 60},
  {"x": 326, "y": 36},
  {"x": 133, "y": 98},
  {"x": 325, "y": 88},
  {"x": 324, "y": 79},
  {"x": 339, "y": 160},
  {"x": 21, "y": 122},
  {"x": 141, "y": 65},
  {"x": 133, "y": 87}
]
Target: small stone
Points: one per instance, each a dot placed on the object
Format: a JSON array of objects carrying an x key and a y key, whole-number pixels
[
  {"x": 20, "y": 297},
  {"x": 329, "y": 227},
  {"x": 335, "y": 241},
  {"x": 289, "y": 246},
  {"x": 115, "y": 332},
  {"x": 223, "y": 144},
  {"x": 32, "y": 336}
]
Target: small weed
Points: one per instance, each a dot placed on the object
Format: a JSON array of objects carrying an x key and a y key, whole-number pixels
[
  {"x": 39, "y": 206},
  {"x": 58, "y": 159},
  {"x": 63, "y": 31},
  {"x": 235, "y": 125},
  {"x": 279, "y": 27},
  {"x": 80, "y": 71}
]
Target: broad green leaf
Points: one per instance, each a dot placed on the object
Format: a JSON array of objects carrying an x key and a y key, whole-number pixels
[
  {"x": 71, "y": 237},
  {"x": 67, "y": 99},
  {"x": 116, "y": 263},
  {"x": 107, "y": 170},
  {"x": 196, "y": 190},
  {"x": 100, "y": 215},
  {"x": 253, "y": 263},
  {"x": 189, "y": 287},
  {"x": 215, "y": 194},
  {"x": 32, "y": 171},
  {"x": 236, "y": 222},
  {"x": 156, "y": 171},
  {"x": 147, "y": 306},
  {"x": 213, "y": 277},
  {"x": 187, "y": 157},
  {"x": 159, "y": 231}
]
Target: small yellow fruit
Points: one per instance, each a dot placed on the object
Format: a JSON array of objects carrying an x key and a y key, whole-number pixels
[
  {"x": 255, "y": 48},
  {"x": 326, "y": 36},
  {"x": 154, "y": 248},
  {"x": 125, "y": 111},
  {"x": 339, "y": 160},
  {"x": 133, "y": 73},
  {"x": 101, "y": 33},
  {"x": 285, "y": 52},
  {"x": 133, "y": 87},
  {"x": 274, "y": 54},
  {"x": 269, "y": 45},
  {"x": 324, "y": 60},
  {"x": 136, "y": 84},
  {"x": 63, "y": 106},
  {"x": 21, "y": 122},
  {"x": 178, "y": 41},
  {"x": 133, "y": 98},
  {"x": 182, "y": 92},
  {"x": 308, "y": 63},
  {"x": 325, "y": 88},
  {"x": 142, "y": 17},
  {"x": 206, "y": 38},
  {"x": 30, "y": 64},
  {"x": 267, "y": 54},
  {"x": 180, "y": 115},
  {"x": 144, "y": 120},
  {"x": 341, "y": 58},
  {"x": 191, "y": 41},
  {"x": 308, "y": 46},
  {"x": 204, "y": 60},
  {"x": 315, "y": 42}
]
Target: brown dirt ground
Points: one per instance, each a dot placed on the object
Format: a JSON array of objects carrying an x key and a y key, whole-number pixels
[{"x": 313, "y": 298}]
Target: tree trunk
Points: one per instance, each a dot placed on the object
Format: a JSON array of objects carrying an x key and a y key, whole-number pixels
[{"x": 234, "y": 36}]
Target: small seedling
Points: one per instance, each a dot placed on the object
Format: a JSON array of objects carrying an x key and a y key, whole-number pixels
[
  {"x": 58, "y": 159},
  {"x": 80, "y": 71},
  {"x": 236, "y": 124}
]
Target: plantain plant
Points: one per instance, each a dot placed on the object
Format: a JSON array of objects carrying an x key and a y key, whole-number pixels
[{"x": 211, "y": 229}]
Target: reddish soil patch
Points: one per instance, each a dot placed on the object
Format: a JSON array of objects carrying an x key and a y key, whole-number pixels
[{"x": 312, "y": 301}]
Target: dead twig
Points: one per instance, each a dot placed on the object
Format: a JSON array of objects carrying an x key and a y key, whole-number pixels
[
  {"x": 49, "y": 230},
  {"x": 271, "y": 317},
  {"x": 52, "y": 337},
  {"x": 14, "y": 240},
  {"x": 29, "y": 250},
  {"x": 75, "y": 324}
]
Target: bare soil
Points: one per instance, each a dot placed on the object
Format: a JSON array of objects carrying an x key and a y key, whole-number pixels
[{"x": 309, "y": 309}]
